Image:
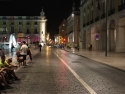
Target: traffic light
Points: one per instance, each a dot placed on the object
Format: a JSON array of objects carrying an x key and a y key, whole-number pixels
[{"x": 64, "y": 40}]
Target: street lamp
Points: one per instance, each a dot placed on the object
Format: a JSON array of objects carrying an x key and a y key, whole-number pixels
[
  {"x": 73, "y": 39},
  {"x": 73, "y": 16},
  {"x": 73, "y": 27}
]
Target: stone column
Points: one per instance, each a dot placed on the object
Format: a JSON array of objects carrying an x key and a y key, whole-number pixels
[{"x": 120, "y": 38}]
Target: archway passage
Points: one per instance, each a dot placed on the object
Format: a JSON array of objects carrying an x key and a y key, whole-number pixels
[
  {"x": 120, "y": 46},
  {"x": 88, "y": 37},
  {"x": 103, "y": 36},
  {"x": 112, "y": 36}
]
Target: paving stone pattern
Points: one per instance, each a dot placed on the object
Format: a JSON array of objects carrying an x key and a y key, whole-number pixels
[
  {"x": 101, "y": 78},
  {"x": 47, "y": 75}
]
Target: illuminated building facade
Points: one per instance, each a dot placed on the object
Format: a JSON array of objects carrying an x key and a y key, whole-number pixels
[
  {"x": 69, "y": 29},
  {"x": 15, "y": 29},
  {"x": 62, "y": 32},
  {"x": 93, "y": 15}
]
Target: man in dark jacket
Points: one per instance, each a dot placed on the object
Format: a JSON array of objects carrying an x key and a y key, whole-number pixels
[
  {"x": 40, "y": 46},
  {"x": 1, "y": 53}
]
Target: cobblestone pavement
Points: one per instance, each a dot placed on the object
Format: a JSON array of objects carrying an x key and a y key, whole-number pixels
[
  {"x": 101, "y": 78},
  {"x": 47, "y": 75}
]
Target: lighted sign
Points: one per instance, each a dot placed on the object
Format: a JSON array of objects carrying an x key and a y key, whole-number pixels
[
  {"x": 97, "y": 36},
  {"x": 20, "y": 35}
]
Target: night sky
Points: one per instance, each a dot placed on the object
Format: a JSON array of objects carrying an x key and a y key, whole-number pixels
[{"x": 55, "y": 10}]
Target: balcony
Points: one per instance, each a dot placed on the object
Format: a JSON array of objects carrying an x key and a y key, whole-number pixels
[
  {"x": 96, "y": 19},
  {"x": 103, "y": 16},
  {"x": 121, "y": 7},
  {"x": 112, "y": 11}
]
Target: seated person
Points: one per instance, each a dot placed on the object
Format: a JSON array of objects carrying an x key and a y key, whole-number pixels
[
  {"x": 9, "y": 61},
  {"x": 3, "y": 80},
  {"x": 19, "y": 58},
  {"x": 6, "y": 67}
]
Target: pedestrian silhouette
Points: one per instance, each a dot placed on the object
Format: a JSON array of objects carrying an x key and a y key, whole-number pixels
[
  {"x": 90, "y": 47},
  {"x": 29, "y": 53},
  {"x": 12, "y": 47},
  {"x": 40, "y": 46}
]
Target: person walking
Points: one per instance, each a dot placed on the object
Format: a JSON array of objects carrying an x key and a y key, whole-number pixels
[
  {"x": 40, "y": 46},
  {"x": 29, "y": 53},
  {"x": 78, "y": 48},
  {"x": 23, "y": 50},
  {"x": 90, "y": 47},
  {"x": 12, "y": 47},
  {"x": 2, "y": 52}
]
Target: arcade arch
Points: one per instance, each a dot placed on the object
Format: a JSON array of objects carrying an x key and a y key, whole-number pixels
[
  {"x": 112, "y": 36},
  {"x": 121, "y": 35},
  {"x": 93, "y": 37},
  {"x": 88, "y": 37},
  {"x": 103, "y": 36}
]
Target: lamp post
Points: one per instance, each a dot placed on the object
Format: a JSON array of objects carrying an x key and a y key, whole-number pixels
[
  {"x": 73, "y": 16},
  {"x": 106, "y": 26},
  {"x": 73, "y": 30}
]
